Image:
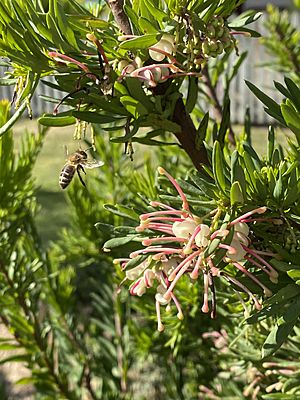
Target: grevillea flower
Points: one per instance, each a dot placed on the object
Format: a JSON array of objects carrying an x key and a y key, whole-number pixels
[{"x": 180, "y": 243}]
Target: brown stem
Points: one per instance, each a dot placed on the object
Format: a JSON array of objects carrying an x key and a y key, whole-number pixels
[
  {"x": 121, "y": 18},
  {"x": 217, "y": 105},
  {"x": 188, "y": 135}
]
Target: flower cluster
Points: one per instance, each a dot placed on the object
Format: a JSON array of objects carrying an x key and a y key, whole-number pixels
[
  {"x": 153, "y": 74},
  {"x": 217, "y": 38},
  {"x": 199, "y": 46},
  {"x": 184, "y": 245}
]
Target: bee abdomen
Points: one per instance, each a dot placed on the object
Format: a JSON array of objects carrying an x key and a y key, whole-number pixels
[{"x": 66, "y": 175}]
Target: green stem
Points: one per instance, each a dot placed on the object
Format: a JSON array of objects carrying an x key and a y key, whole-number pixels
[{"x": 17, "y": 115}]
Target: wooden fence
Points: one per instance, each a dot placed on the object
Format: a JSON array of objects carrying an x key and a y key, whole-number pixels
[{"x": 252, "y": 69}]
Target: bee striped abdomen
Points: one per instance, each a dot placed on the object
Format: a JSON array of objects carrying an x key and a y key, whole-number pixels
[{"x": 66, "y": 175}]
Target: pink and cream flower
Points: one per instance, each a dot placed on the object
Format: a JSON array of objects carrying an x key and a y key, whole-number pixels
[{"x": 185, "y": 244}]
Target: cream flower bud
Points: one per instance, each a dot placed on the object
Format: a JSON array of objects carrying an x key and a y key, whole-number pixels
[
  {"x": 169, "y": 265},
  {"x": 202, "y": 238},
  {"x": 165, "y": 44},
  {"x": 184, "y": 229},
  {"x": 141, "y": 288},
  {"x": 147, "y": 78},
  {"x": 135, "y": 272},
  {"x": 129, "y": 69},
  {"x": 239, "y": 253},
  {"x": 122, "y": 64},
  {"x": 160, "y": 298},
  {"x": 242, "y": 227},
  {"x": 149, "y": 277},
  {"x": 160, "y": 291}
]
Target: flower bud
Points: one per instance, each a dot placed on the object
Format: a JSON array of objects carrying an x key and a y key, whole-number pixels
[
  {"x": 165, "y": 72},
  {"x": 210, "y": 31},
  {"x": 149, "y": 277},
  {"x": 239, "y": 253},
  {"x": 220, "y": 47},
  {"x": 213, "y": 45},
  {"x": 165, "y": 45},
  {"x": 138, "y": 61},
  {"x": 202, "y": 238},
  {"x": 141, "y": 288},
  {"x": 169, "y": 38},
  {"x": 242, "y": 227},
  {"x": 128, "y": 69},
  {"x": 122, "y": 64},
  {"x": 160, "y": 298},
  {"x": 226, "y": 32},
  {"x": 205, "y": 47},
  {"x": 135, "y": 272},
  {"x": 184, "y": 229},
  {"x": 169, "y": 266},
  {"x": 226, "y": 42},
  {"x": 220, "y": 32}
]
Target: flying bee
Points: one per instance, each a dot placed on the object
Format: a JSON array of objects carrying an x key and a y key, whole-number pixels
[{"x": 76, "y": 163}]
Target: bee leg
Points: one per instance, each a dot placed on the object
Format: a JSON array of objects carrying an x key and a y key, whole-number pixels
[{"x": 78, "y": 169}]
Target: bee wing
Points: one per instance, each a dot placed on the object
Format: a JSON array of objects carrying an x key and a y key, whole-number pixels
[{"x": 93, "y": 164}]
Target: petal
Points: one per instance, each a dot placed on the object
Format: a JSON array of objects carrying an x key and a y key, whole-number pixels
[
  {"x": 184, "y": 229},
  {"x": 242, "y": 227}
]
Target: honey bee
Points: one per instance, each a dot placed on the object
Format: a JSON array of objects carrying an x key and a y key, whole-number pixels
[{"x": 76, "y": 163}]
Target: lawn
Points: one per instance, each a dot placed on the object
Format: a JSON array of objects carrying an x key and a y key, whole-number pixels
[{"x": 54, "y": 211}]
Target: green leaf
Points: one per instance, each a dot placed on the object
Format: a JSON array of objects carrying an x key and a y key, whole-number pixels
[
  {"x": 56, "y": 120},
  {"x": 139, "y": 43},
  {"x": 136, "y": 90},
  {"x": 111, "y": 105},
  {"x": 95, "y": 117},
  {"x": 122, "y": 211},
  {"x": 159, "y": 122},
  {"x": 16, "y": 358},
  {"x": 134, "y": 262},
  {"x": 157, "y": 14},
  {"x": 294, "y": 91},
  {"x": 294, "y": 274},
  {"x": 132, "y": 15},
  {"x": 133, "y": 106},
  {"x": 280, "y": 396},
  {"x": 245, "y": 18},
  {"x": 278, "y": 190},
  {"x": 7, "y": 81},
  {"x": 282, "y": 266},
  {"x": 104, "y": 228},
  {"x": 201, "y": 131},
  {"x": 192, "y": 95},
  {"x": 117, "y": 242},
  {"x": 272, "y": 106},
  {"x": 218, "y": 166},
  {"x": 276, "y": 338},
  {"x": 64, "y": 26},
  {"x": 225, "y": 123},
  {"x": 271, "y": 141},
  {"x": 275, "y": 304},
  {"x": 146, "y": 26},
  {"x": 292, "y": 119},
  {"x": 236, "y": 194},
  {"x": 250, "y": 32},
  {"x": 282, "y": 89},
  {"x": 235, "y": 68}
]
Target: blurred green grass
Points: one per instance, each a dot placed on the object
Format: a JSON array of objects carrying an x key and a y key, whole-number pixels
[{"x": 54, "y": 211}]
